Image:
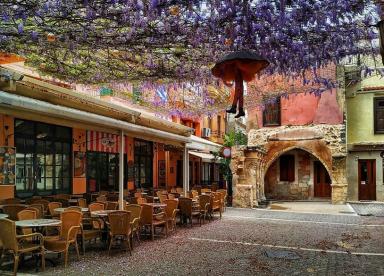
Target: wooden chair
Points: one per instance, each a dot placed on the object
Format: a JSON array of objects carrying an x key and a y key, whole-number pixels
[
  {"x": 70, "y": 227},
  {"x": 40, "y": 208},
  {"x": 194, "y": 194},
  {"x": 19, "y": 244},
  {"x": 12, "y": 210},
  {"x": 223, "y": 193},
  {"x": 102, "y": 198},
  {"x": 135, "y": 210},
  {"x": 171, "y": 212},
  {"x": 96, "y": 206},
  {"x": 150, "y": 199},
  {"x": 51, "y": 208},
  {"x": 180, "y": 191},
  {"x": 73, "y": 208},
  {"x": 205, "y": 190},
  {"x": 204, "y": 206},
  {"x": 44, "y": 202},
  {"x": 138, "y": 195},
  {"x": 148, "y": 220},
  {"x": 91, "y": 230},
  {"x": 111, "y": 205},
  {"x": 171, "y": 196},
  {"x": 120, "y": 229},
  {"x": 187, "y": 211},
  {"x": 216, "y": 205}
]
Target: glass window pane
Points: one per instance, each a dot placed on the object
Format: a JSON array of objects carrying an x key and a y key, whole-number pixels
[
  {"x": 59, "y": 171},
  {"x": 63, "y": 132},
  {"x": 43, "y": 130},
  {"x": 24, "y": 127},
  {"x": 58, "y": 158},
  {"x": 20, "y": 183},
  {"x": 66, "y": 184},
  {"x": 49, "y": 183},
  {"x": 49, "y": 171}
]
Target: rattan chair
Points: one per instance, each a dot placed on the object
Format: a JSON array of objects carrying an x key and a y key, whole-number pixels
[
  {"x": 70, "y": 227},
  {"x": 205, "y": 190},
  {"x": 19, "y": 244},
  {"x": 171, "y": 196},
  {"x": 120, "y": 229},
  {"x": 187, "y": 211},
  {"x": 40, "y": 208},
  {"x": 171, "y": 212},
  {"x": 204, "y": 206},
  {"x": 73, "y": 208},
  {"x": 96, "y": 206},
  {"x": 91, "y": 230},
  {"x": 24, "y": 215},
  {"x": 102, "y": 198},
  {"x": 163, "y": 198},
  {"x": 12, "y": 209},
  {"x": 150, "y": 199},
  {"x": 51, "y": 208},
  {"x": 194, "y": 194},
  {"x": 44, "y": 202},
  {"x": 180, "y": 190},
  {"x": 82, "y": 202},
  {"x": 216, "y": 205},
  {"x": 223, "y": 193},
  {"x": 148, "y": 220},
  {"x": 141, "y": 200},
  {"x": 135, "y": 210},
  {"x": 111, "y": 205},
  {"x": 11, "y": 201}
]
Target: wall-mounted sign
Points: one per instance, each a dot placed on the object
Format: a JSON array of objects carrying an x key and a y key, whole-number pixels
[
  {"x": 108, "y": 142},
  {"x": 7, "y": 165}
]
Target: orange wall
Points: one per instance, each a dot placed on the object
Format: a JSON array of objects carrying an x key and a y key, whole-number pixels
[
  {"x": 79, "y": 184},
  {"x": 7, "y": 191},
  {"x": 172, "y": 167}
]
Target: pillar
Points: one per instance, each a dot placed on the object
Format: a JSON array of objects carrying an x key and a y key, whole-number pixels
[
  {"x": 121, "y": 171},
  {"x": 185, "y": 171}
]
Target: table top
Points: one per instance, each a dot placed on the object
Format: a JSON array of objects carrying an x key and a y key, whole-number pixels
[
  {"x": 37, "y": 222},
  {"x": 102, "y": 213},
  {"x": 24, "y": 205},
  {"x": 160, "y": 205},
  {"x": 60, "y": 210},
  {"x": 3, "y": 216}
]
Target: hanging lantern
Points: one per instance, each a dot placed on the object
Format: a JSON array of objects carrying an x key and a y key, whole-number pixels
[{"x": 238, "y": 67}]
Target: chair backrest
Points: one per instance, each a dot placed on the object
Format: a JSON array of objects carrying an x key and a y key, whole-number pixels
[
  {"x": 42, "y": 201},
  {"x": 73, "y": 208},
  {"x": 12, "y": 209},
  {"x": 135, "y": 210},
  {"x": 138, "y": 195},
  {"x": 171, "y": 207},
  {"x": 150, "y": 199},
  {"x": 111, "y": 205},
  {"x": 96, "y": 206},
  {"x": 69, "y": 218},
  {"x": 185, "y": 205},
  {"x": 180, "y": 190},
  {"x": 216, "y": 200},
  {"x": 102, "y": 198},
  {"x": 103, "y": 193},
  {"x": 52, "y": 206},
  {"x": 163, "y": 198},
  {"x": 141, "y": 200},
  {"x": 146, "y": 214},
  {"x": 173, "y": 190},
  {"x": 159, "y": 193},
  {"x": 11, "y": 201},
  {"x": 171, "y": 196},
  {"x": 119, "y": 222},
  {"x": 40, "y": 208},
  {"x": 63, "y": 196},
  {"x": 204, "y": 200},
  {"x": 26, "y": 214},
  {"x": 194, "y": 193},
  {"x": 8, "y": 234},
  {"x": 205, "y": 190},
  {"x": 82, "y": 202}
]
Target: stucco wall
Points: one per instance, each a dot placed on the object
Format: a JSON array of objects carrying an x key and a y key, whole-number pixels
[
  {"x": 353, "y": 177},
  {"x": 360, "y": 118}
]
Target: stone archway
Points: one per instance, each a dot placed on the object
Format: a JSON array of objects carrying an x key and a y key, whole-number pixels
[{"x": 296, "y": 180}]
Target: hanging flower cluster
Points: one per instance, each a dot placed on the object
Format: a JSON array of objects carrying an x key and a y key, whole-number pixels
[{"x": 162, "y": 41}]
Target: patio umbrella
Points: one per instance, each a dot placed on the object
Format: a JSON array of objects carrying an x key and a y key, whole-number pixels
[{"x": 238, "y": 67}]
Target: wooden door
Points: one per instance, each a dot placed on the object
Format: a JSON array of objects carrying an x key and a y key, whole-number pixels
[
  {"x": 367, "y": 179},
  {"x": 322, "y": 181}
]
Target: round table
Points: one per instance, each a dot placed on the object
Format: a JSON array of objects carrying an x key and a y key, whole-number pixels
[
  {"x": 102, "y": 213},
  {"x": 60, "y": 210},
  {"x": 157, "y": 205},
  {"x": 37, "y": 223},
  {"x": 3, "y": 216}
]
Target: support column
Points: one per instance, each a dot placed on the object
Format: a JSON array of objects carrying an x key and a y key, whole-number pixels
[
  {"x": 185, "y": 171},
  {"x": 121, "y": 171}
]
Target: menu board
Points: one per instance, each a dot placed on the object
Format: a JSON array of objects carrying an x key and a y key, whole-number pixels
[{"x": 7, "y": 165}]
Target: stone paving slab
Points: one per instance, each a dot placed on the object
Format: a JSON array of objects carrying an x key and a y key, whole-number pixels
[{"x": 368, "y": 209}]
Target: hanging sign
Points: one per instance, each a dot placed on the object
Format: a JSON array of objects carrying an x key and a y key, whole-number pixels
[{"x": 227, "y": 152}]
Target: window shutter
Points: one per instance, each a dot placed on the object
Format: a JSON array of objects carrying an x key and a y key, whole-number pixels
[{"x": 287, "y": 168}]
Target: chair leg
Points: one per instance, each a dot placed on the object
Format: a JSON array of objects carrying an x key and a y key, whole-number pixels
[
  {"x": 110, "y": 245},
  {"x": 83, "y": 244},
  {"x": 66, "y": 257},
  {"x": 42, "y": 259},
  {"x": 77, "y": 250},
  {"x": 129, "y": 246},
  {"x": 153, "y": 232},
  {"x": 15, "y": 263}
]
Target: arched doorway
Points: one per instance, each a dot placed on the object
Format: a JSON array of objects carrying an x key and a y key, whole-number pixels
[{"x": 297, "y": 175}]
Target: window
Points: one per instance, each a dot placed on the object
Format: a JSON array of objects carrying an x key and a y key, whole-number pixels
[
  {"x": 287, "y": 168},
  {"x": 43, "y": 160},
  {"x": 271, "y": 113},
  {"x": 143, "y": 164},
  {"x": 379, "y": 115}
]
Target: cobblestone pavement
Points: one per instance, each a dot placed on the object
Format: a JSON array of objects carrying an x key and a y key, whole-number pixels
[
  {"x": 369, "y": 209},
  {"x": 238, "y": 245}
]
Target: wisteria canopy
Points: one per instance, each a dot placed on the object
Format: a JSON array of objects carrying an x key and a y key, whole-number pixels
[{"x": 169, "y": 42}]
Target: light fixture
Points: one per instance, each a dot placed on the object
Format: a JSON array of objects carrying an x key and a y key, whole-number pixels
[{"x": 41, "y": 135}]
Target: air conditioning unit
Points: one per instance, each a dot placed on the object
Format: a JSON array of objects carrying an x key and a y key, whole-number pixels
[{"x": 206, "y": 132}]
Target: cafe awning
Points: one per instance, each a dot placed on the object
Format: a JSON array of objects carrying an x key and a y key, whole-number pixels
[{"x": 205, "y": 157}]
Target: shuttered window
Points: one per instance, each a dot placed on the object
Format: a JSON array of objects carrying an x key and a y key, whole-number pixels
[
  {"x": 272, "y": 113},
  {"x": 379, "y": 115},
  {"x": 287, "y": 168}
]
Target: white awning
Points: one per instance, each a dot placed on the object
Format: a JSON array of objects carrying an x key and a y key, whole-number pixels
[
  {"x": 10, "y": 101},
  {"x": 206, "y": 157},
  {"x": 201, "y": 144}
]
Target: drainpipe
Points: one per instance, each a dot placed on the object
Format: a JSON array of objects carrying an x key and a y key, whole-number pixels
[
  {"x": 121, "y": 171},
  {"x": 185, "y": 171}
]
